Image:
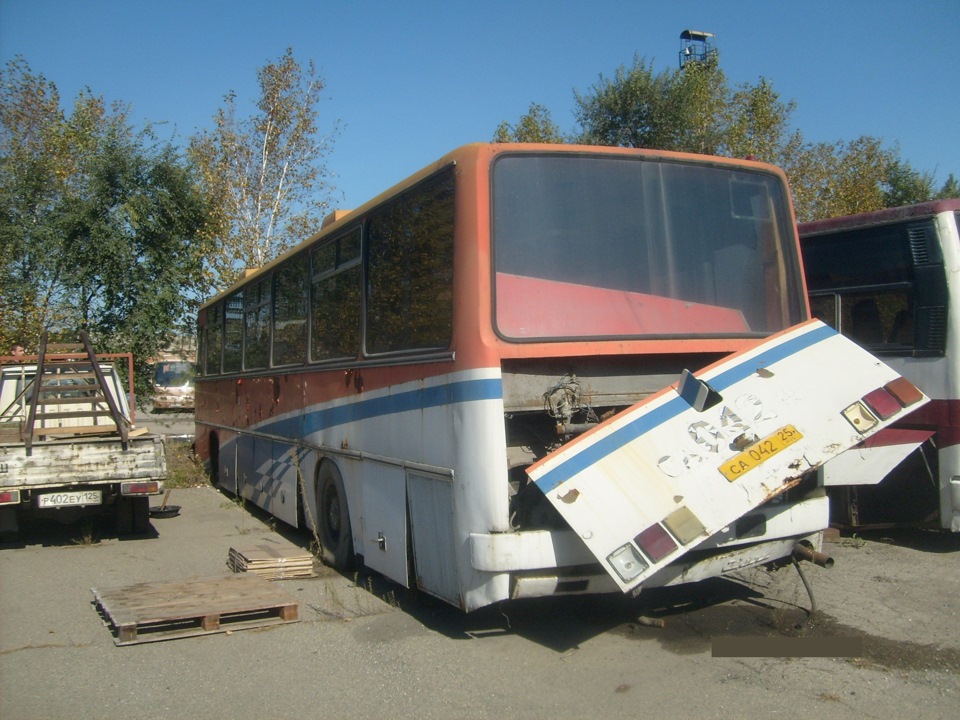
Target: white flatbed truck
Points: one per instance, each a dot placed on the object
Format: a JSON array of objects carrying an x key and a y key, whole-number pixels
[{"x": 68, "y": 444}]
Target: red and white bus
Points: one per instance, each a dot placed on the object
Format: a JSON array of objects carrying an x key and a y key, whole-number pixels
[
  {"x": 890, "y": 280},
  {"x": 471, "y": 381}
]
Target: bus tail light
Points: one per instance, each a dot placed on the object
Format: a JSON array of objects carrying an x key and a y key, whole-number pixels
[
  {"x": 627, "y": 562},
  {"x": 905, "y": 392},
  {"x": 655, "y": 542},
  {"x": 882, "y": 404},
  {"x": 9, "y": 497},
  {"x": 140, "y": 488}
]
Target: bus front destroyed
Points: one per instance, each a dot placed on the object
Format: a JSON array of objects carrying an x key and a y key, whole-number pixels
[
  {"x": 672, "y": 474},
  {"x": 443, "y": 383}
]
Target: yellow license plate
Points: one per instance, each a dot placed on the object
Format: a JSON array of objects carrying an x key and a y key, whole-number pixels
[{"x": 758, "y": 453}]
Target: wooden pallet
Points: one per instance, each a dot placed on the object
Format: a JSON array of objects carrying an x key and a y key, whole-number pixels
[
  {"x": 150, "y": 612},
  {"x": 276, "y": 560}
]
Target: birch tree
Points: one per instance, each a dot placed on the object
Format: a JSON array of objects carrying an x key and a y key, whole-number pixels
[{"x": 265, "y": 175}]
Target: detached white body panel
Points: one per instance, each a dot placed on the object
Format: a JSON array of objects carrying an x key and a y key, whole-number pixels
[
  {"x": 659, "y": 479},
  {"x": 873, "y": 459}
]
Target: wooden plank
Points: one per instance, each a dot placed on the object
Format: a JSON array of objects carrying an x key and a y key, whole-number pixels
[
  {"x": 151, "y": 612},
  {"x": 71, "y": 373},
  {"x": 72, "y": 414},
  {"x": 276, "y": 560},
  {"x": 77, "y": 430},
  {"x": 11, "y": 431},
  {"x": 84, "y": 400}
]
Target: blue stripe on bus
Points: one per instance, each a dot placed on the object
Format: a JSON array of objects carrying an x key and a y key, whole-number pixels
[
  {"x": 672, "y": 408},
  {"x": 771, "y": 356},
  {"x": 412, "y": 400}
]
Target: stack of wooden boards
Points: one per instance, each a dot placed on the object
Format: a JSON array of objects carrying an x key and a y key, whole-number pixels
[{"x": 273, "y": 560}]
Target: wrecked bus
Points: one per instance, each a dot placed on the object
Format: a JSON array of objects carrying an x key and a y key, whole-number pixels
[
  {"x": 476, "y": 383},
  {"x": 890, "y": 280}
]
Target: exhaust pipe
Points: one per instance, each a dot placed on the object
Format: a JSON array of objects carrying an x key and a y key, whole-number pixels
[{"x": 802, "y": 552}]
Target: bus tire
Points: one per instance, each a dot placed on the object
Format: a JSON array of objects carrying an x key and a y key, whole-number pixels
[{"x": 333, "y": 518}]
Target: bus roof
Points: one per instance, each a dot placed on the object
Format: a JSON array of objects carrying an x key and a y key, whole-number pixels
[{"x": 879, "y": 217}]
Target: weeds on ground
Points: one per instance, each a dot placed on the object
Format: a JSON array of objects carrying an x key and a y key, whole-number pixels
[
  {"x": 86, "y": 535},
  {"x": 854, "y": 541},
  {"x": 184, "y": 468}
]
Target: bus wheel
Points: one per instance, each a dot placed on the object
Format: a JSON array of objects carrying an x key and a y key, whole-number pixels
[{"x": 333, "y": 518}]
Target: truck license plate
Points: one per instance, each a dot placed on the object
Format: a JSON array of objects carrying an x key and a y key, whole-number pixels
[{"x": 70, "y": 499}]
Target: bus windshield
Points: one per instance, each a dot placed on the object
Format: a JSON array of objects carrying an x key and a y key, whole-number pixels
[
  {"x": 613, "y": 247},
  {"x": 174, "y": 374}
]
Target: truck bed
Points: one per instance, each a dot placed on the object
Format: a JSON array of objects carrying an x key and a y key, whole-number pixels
[{"x": 88, "y": 460}]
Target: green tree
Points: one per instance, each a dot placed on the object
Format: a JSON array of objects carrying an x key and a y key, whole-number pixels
[
  {"x": 757, "y": 124},
  {"x": 950, "y": 189},
  {"x": 101, "y": 227},
  {"x": 265, "y": 174},
  {"x": 693, "y": 109},
  {"x": 841, "y": 178},
  {"x": 632, "y": 109},
  {"x": 906, "y": 186},
  {"x": 33, "y": 168},
  {"x": 680, "y": 110},
  {"x": 535, "y": 127},
  {"x": 700, "y": 98}
]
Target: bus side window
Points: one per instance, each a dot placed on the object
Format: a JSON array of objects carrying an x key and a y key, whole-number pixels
[
  {"x": 866, "y": 328},
  {"x": 409, "y": 304},
  {"x": 824, "y": 308},
  {"x": 233, "y": 333},
  {"x": 880, "y": 321},
  {"x": 256, "y": 325},
  {"x": 902, "y": 332},
  {"x": 290, "y": 313},
  {"x": 335, "y": 298}
]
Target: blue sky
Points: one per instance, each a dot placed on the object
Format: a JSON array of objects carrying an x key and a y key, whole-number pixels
[{"x": 411, "y": 80}]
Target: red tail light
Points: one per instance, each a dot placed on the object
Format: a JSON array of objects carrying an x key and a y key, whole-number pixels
[
  {"x": 883, "y": 404},
  {"x": 655, "y": 542},
  {"x": 904, "y": 391},
  {"x": 140, "y": 488}
]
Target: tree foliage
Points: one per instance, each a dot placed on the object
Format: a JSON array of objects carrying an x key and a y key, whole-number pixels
[
  {"x": 265, "y": 174},
  {"x": 100, "y": 226},
  {"x": 636, "y": 108},
  {"x": 694, "y": 109},
  {"x": 535, "y": 127},
  {"x": 950, "y": 189}
]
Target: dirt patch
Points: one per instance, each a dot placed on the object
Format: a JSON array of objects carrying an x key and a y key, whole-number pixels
[
  {"x": 693, "y": 631},
  {"x": 893, "y": 594}
]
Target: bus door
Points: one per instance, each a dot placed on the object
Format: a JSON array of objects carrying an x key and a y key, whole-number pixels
[{"x": 650, "y": 484}]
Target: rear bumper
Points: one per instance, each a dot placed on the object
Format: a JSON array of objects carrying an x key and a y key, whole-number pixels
[{"x": 558, "y": 562}]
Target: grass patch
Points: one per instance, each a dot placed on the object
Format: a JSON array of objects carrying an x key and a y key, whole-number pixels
[{"x": 184, "y": 468}]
